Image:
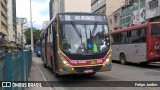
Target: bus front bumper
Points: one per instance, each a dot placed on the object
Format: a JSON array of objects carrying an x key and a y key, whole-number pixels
[{"x": 66, "y": 70}]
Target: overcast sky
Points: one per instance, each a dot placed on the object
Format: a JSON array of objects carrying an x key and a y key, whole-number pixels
[{"x": 40, "y": 11}]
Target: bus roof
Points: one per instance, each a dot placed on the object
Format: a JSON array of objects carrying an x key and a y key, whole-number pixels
[
  {"x": 69, "y": 13},
  {"x": 129, "y": 28},
  {"x": 80, "y": 13},
  {"x": 48, "y": 25},
  {"x": 133, "y": 27}
]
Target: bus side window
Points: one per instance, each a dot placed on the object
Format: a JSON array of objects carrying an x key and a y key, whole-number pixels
[
  {"x": 129, "y": 37},
  {"x": 142, "y": 35},
  {"x": 119, "y": 38},
  {"x": 129, "y": 34},
  {"x": 49, "y": 29},
  {"x": 54, "y": 34},
  {"x": 47, "y": 35},
  {"x": 135, "y": 36},
  {"x": 51, "y": 34},
  {"x": 124, "y": 38},
  {"x": 115, "y": 38}
]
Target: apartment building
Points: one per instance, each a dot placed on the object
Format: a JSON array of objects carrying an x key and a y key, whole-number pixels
[
  {"x": 12, "y": 21},
  {"x": 114, "y": 19},
  {"x": 20, "y": 30},
  {"x": 53, "y": 7},
  {"x": 75, "y": 5},
  {"x": 152, "y": 10},
  {"x": 3, "y": 19},
  {"x": 133, "y": 12},
  {"x": 69, "y": 6},
  {"x": 50, "y": 9},
  {"x": 106, "y": 6}
]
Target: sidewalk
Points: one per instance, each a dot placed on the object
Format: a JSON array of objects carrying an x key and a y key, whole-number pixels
[{"x": 35, "y": 75}]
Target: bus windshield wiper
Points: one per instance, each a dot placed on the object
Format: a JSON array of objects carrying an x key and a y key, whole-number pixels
[
  {"x": 76, "y": 29},
  {"x": 94, "y": 29}
]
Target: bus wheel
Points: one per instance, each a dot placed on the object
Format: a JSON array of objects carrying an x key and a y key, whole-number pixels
[
  {"x": 54, "y": 71},
  {"x": 45, "y": 65},
  {"x": 123, "y": 58},
  {"x": 144, "y": 63}
]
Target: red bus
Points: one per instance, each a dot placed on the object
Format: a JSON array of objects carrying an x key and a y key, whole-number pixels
[
  {"x": 76, "y": 43},
  {"x": 137, "y": 44}
]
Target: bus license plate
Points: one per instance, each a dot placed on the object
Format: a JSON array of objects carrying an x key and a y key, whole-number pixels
[{"x": 88, "y": 71}]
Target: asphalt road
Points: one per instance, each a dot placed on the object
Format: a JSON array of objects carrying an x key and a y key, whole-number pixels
[{"x": 130, "y": 72}]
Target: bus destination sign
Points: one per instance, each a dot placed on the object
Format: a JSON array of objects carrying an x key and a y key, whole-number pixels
[{"x": 89, "y": 18}]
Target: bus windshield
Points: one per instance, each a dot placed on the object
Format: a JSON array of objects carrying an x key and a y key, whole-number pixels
[
  {"x": 155, "y": 29},
  {"x": 86, "y": 39}
]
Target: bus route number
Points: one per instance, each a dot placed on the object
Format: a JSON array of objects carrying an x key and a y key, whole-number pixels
[{"x": 67, "y": 17}]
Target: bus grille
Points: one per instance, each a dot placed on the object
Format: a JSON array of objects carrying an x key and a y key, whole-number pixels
[
  {"x": 81, "y": 69},
  {"x": 85, "y": 57}
]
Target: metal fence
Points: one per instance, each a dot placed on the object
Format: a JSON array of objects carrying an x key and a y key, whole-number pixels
[{"x": 15, "y": 67}]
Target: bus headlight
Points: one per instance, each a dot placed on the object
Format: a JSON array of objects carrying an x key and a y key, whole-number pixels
[
  {"x": 107, "y": 60},
  {"x": 64, "y": 61}
]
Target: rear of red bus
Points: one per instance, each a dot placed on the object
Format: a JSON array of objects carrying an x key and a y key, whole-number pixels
[{"x": 153, "y": 42}]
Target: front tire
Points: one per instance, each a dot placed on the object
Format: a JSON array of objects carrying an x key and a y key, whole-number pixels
[
  {"x": 123, "y": 58},
  {"x": 45, "y": 65},
  {"x": 144, "y": 63},
  {"x": 54, "y": 69}
]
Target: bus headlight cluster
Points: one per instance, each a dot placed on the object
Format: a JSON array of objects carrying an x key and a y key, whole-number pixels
[
  {"x": 64, "y": 61},
  {"x": 107, "y": 60}
]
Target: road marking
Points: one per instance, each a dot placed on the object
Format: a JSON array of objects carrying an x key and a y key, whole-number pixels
[
  {"x": 151, "y": 88},
  {"x": 152, "y": 70},
  {"x": 104, "y": 74},
  {"x": 114, "y": 76},
  {"x": 44, "y": 78}
]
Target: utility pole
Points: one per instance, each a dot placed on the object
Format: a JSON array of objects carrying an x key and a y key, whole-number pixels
[{"x": 32, "y": 44}]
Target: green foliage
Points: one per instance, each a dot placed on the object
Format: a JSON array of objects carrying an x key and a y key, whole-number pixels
[{"x": 36, "y": 35}]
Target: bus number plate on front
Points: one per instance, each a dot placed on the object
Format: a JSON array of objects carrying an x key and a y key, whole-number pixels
[{"x": 88, "y": 71}]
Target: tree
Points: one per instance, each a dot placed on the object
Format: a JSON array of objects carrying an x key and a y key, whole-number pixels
[{"x": 36, "y": 35}]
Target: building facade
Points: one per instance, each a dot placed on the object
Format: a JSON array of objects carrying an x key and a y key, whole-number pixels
[
  {"x": 133, "y": 12},
  {"x": 50, "y": 9},
  {"x": 106, "y": 6},
  {"x": 12, "y": 21},
  {"x": 69, "y": 6},
  {"x": 3, "y": 19},
  {"x": 20, "y": 31},
  {"x": 75, "y": 6},
  {"x": 114, "y": 20},
  {"x": 152, "y": 10},
  {"x": 53, "y": 7}
]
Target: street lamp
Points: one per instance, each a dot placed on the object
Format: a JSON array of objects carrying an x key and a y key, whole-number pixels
[{"x": 32, "y": 47}]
